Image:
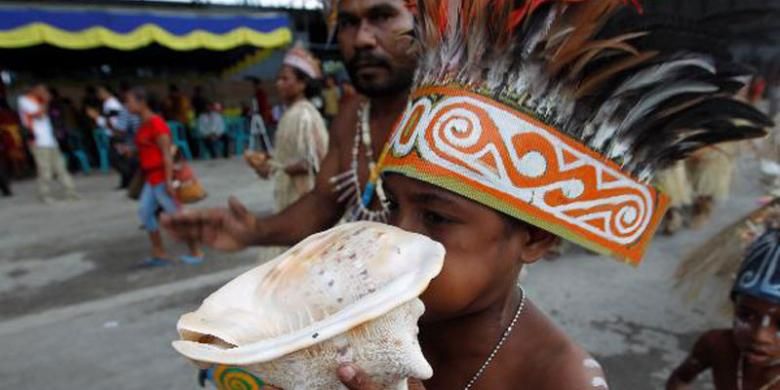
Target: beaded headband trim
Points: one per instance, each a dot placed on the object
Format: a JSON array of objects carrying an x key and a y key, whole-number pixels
[{"x": 510, "y": 161}]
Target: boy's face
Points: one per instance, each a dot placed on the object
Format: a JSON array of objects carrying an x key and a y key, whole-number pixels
[
  {"x": 757, "y": 330},
  {"x": 484, "y": 251}
]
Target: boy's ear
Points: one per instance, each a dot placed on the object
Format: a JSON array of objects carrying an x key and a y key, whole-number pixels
[{"x": 538, "y": 243}]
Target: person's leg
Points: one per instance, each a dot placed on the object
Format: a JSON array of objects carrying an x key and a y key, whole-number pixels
[
  {"x": 147, "y": 205},
  {"x": 170, "y": 206},
  {"x": 211, "y": 146},
  {"x": 224, "y": 141},
  {"x": 5, "y": 183},
  {"x": 41, "y": 157},
  {"x": 58, "y": 165}
]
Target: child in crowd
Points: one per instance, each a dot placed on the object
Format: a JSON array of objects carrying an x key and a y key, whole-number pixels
[{"x": 745, "y": 356}]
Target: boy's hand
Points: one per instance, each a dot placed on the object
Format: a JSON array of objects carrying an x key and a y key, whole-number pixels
[{"x": 356, "y": 379}]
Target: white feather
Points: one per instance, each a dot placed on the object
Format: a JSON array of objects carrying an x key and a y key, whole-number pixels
[
  {"x": 660, "y": 72},
  {"x": 658, "y": 96}
]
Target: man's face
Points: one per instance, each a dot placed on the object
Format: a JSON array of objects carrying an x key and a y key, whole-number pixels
[
  {"x": 132, "y": 104},
  {"x": 757, "y": 330},
  {"x": 484, "y": 252},
  {"x": 42, "y": 93},
  {"x": 103, "y": 93},
  {"x": 376, "y": 42}
]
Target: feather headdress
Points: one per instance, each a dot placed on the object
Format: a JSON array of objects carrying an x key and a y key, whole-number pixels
[{"x": 554, "y": 112}]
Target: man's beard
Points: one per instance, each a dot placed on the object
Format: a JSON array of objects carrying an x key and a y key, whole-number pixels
[{"x": 399, "y": 79}]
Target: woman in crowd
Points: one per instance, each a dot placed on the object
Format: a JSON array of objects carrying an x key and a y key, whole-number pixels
[
  {"x": 153, "y": 141},
  {"x": 301, "y": 139}
]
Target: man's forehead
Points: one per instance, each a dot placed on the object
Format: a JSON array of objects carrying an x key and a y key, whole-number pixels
[{"x": 358, "y": 7}]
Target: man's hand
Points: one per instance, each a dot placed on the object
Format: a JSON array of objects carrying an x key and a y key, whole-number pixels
[
  {"x": 356, "y": 379},
  {"x": 228, "y": 229}
]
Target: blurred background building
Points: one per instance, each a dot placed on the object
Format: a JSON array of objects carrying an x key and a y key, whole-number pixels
[{"x": 213, "y": 43}]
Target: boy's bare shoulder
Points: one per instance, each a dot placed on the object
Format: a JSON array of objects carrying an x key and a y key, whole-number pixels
[
  {"x": 573, "y": 368},
  {"x": 716, "y": 339},
  {"x": 560, "y": 363}
]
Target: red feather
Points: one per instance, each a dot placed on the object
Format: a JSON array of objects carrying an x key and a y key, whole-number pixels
[
  {"x": 637, "y": 4},
  {"x": 443, "y": 9}
]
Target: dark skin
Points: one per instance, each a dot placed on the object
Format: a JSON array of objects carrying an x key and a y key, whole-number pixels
[
  {"x": 473, "y": 300},
  {"x": 755, "y": 336},
  {"x": 371, "y": 41}
]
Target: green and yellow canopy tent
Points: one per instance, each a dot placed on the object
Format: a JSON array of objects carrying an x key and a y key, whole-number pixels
[{"x": 52, "y": 40}]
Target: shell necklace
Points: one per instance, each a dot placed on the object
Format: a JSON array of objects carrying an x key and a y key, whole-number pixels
[
  {"x": 740, "y": 370},
  {"x": 500, "y": 344},
  {"x": 347, "y": 184}
]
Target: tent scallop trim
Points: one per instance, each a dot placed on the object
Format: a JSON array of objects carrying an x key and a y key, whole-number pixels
[{"x": 94, "y": 37}]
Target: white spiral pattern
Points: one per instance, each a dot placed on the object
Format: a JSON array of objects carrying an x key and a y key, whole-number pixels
[{"x": 455, "y": 128}]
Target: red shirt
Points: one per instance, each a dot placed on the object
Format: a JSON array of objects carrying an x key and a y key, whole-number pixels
[{"x": 149, "y": 154}]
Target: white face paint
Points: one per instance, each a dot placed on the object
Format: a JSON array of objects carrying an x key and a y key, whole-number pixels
[
  {"x": 766, "y": 321},
  {"x": 741, "y": 325},
  {"x": 599, "y": 383},
  {"x": 591, "y": 363}
]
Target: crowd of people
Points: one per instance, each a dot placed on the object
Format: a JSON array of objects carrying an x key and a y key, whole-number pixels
[{"x": 144, "y": 138}]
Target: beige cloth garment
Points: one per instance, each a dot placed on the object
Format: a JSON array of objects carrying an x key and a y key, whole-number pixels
[
  {"x": 712, "y": 170},
  {"x": 674, "y": 182},
  {"x": 51, "y": 163},
  {"x": 301, "y": 136}
]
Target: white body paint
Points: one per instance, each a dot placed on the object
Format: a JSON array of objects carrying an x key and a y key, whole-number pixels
[
  {"x": 591, "y": 363},
  {"x": 599, "y": 383}
]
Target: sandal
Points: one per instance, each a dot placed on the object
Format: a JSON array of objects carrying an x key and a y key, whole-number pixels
[
  {"x": 191, "y": 260},
  {"x": 155, "y": 262}
]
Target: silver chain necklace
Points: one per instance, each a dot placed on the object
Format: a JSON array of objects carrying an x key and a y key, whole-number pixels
[
  {"x": 347, "y": 184},
  {"x": 500, "y": 344},
  {"x": 740, "y": 376}
]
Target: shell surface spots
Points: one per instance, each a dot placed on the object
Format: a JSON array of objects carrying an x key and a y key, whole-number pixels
[{"x": 347, "y": 294}]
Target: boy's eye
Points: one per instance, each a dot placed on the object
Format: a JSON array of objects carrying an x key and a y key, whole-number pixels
[
  {"x": 390, "y": 202},
  {"x": 433, "y": 218}
]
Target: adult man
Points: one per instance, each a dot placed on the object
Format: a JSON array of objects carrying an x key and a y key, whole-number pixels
[
  {"x": 33, "y": 111},
  {"x": 211, "y": 126},
  {"x": 375, "y": 41}
]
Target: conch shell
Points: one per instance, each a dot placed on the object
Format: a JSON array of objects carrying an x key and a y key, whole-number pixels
[{"x": 349, "y": 294}]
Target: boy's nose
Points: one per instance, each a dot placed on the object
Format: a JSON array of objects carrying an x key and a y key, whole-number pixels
[{"x": 764, "y": 335}]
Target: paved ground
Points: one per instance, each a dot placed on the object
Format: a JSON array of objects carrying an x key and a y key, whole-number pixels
[{"x": 77, "y": 313}]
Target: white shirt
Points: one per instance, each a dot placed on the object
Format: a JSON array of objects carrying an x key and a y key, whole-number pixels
[
  {"x": 211, "y": 123},
  {"x": 110, "y": 115},
  {"x": 34, "y": 117}
]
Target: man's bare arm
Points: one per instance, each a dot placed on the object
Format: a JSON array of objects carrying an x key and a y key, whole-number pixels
[
  {"x": 235, "y": 228},
  {"x": 316, "y": 211},
  {"x": 695, "y": 364}
]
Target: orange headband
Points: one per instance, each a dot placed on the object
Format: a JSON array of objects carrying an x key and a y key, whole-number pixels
[{"x": 512, "y": 162}]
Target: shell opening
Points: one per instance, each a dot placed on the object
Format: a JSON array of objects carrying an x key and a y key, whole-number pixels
[{"x": 206, "y": 339}]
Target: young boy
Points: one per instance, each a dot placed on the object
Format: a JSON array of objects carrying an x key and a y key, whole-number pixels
[
  {"x": 503, "y": 148},
  {"x": 746, "y": 356}
]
